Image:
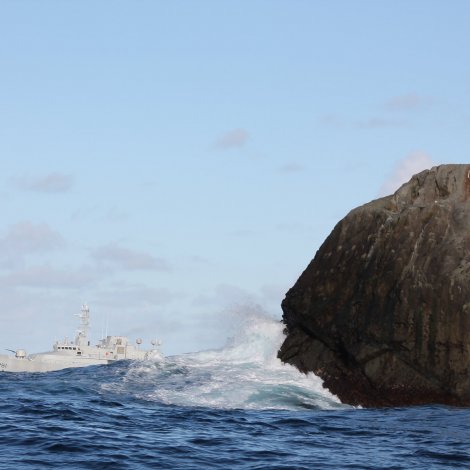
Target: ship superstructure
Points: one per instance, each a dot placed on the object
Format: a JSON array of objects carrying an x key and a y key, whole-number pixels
[{"x": 80, "y": 352}]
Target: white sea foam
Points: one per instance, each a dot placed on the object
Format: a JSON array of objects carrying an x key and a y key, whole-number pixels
[{"x": 245, "y": 374}]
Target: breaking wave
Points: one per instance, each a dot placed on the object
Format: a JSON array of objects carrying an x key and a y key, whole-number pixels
[{"x": 245, "y": 374}]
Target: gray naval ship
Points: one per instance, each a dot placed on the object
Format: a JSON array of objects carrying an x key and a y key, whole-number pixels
[{"x": 79, "y": 353}]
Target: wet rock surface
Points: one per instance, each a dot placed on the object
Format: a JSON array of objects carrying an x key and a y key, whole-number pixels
[{"x": 382, "y": 313}]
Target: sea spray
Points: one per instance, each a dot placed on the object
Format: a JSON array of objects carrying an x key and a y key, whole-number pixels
[{"x": 245, "y": 374}]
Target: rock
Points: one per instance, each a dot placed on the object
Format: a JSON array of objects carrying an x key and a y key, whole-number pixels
[{"x": 382, "y": 313}]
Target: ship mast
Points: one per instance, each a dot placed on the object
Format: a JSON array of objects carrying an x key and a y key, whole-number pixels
[{"x": 82, "y": 332}]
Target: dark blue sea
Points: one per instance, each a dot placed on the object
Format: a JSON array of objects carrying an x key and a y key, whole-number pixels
[{"x": 235, "y": 408}]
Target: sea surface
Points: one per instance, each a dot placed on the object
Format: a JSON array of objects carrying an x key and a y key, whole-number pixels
[{"x": 234, "y": 408}]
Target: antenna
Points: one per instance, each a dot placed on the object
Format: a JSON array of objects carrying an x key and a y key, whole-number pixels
[{"x": 84, "y": 316}]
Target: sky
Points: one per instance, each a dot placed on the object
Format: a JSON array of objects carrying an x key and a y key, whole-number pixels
[{"x": 176, "y": 164}]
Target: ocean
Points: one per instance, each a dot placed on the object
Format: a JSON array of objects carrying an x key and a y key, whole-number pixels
[{"x": 234, "y": 408}]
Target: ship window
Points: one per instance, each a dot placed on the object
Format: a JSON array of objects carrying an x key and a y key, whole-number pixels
[
  {"x": 119, "y": 341},
  {"x": 120, "y": 350},
  {"x": 79, "y": 353}
]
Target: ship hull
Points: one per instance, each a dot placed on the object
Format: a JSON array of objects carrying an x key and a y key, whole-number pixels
[{"x": 46, "y": 362}]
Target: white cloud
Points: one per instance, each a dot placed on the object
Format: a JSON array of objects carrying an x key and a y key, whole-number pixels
[
  {"x": 51, "y": 183},
  {"x": 404, "y": 170},
  {"x": 232, "y": 139},
  {"x": 129, "y": 260}
]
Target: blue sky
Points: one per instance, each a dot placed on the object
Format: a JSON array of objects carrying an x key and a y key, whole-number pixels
[{"x": 175, "y": 164}]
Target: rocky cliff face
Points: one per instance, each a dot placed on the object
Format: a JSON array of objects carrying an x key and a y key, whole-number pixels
[{"x": 382, "y": 313}]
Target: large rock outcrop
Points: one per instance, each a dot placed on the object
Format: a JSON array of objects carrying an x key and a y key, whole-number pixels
[{"x": 382, "y": 313}]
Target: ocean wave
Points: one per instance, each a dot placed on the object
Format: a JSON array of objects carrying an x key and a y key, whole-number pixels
[{"x": 245, "y": 374}]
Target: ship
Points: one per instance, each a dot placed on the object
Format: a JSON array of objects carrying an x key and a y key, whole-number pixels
[{"x": 80, "y": 352}]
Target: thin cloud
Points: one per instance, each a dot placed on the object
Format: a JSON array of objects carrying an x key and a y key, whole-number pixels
[
  {"x": 379, "y": 123},
  {"x": 137, "y": 296},
  {"x": 341, "y": 123},
  {"x": 224, "y": 295},
  {"x": 129, "y": 260},
  {"x": 235, "y": 138},
  {"x": 243, "y": 232},
  {"x": 200, "y": 260},
  {"x": 26, "y": 237},
  {"x": 333, "y": 121},
  {"x": 408, "y": 102},
  {"x": 51, "y": 183},
  {"x": 291, "y": 168},
  {"x": 294, "y": 227},
  {"x": 404, "y": 170},
  {"x": 115, "y": 215},
  {"x": 50, "y": 277}
]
